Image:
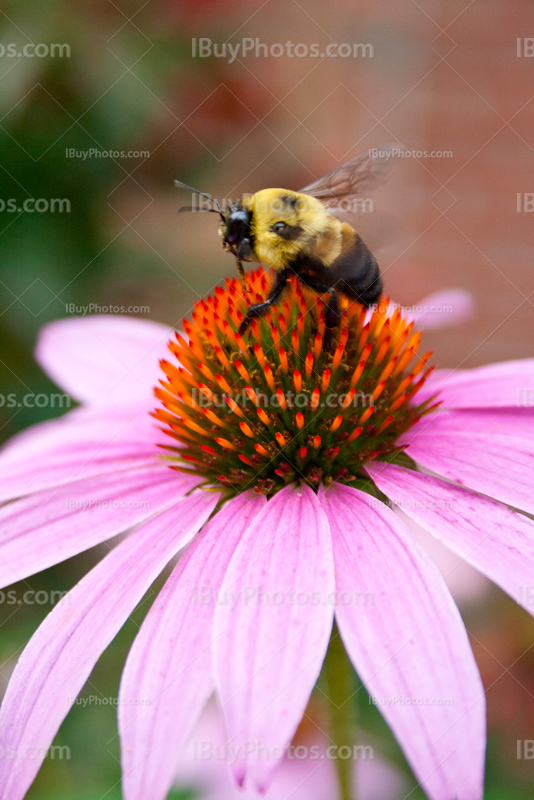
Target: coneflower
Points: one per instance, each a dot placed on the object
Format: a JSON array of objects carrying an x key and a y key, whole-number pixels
[{"x": 273, "y": 465}]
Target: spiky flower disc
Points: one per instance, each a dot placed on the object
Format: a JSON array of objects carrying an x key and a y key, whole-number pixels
[{"x": 290, "y": 400}]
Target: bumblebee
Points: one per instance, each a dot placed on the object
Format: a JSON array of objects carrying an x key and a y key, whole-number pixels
[{"x": 306, "y": 234}]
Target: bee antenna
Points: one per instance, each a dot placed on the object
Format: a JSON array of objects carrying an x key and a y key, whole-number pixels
[
  {"x": 181, "y": 185},
  {"x": 192, "y": 208}
]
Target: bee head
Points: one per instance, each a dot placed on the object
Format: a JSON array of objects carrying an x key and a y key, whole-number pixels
[{"x": 236, "y": 233}]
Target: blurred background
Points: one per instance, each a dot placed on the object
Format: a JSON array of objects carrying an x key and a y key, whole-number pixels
[{"x": 82, "y": 231}]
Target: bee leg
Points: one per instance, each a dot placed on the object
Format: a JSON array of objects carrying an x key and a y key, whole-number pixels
[
  {"x": 242, "y": 275},
  {"x": 260, "y": 309},
  {"x": 331, "y": 319},
  {"x": 332, "y": 314}
]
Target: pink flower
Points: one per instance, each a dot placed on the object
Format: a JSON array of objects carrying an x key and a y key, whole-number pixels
[
  {"x": 306, "y": 773},
  {"x": 249, "y": 607}
]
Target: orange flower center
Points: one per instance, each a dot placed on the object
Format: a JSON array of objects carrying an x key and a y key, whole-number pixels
[{"x": 289, "y": 400}]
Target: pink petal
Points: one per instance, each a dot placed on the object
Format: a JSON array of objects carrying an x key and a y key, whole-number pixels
[
  {"x": 408, "y": 643},
  {"x": 466, "y": 584},
  {"x": 496, "y": 465},
  {"x": 308, "y": 773},
  {"x": 509, "y": 383},
  {"x": 91, "y": 443},
  {"x": 493, "y": 538},
  {"x": 169, "y": 665},
  {"x": 104, "y": 360},
  {"x": 517, "y": 422},
  {"x": 81, "y": 420},
  {"x": 54, "y": 525},
  {"x": 271, "y": 635},
  {"x": 42, "y": 431},
  {"x": 61, "y": 654},
  {"x": 443, "y": 308}
]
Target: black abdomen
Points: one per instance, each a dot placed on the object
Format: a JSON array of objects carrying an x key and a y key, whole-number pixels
[{"x": 355, "y": 274}]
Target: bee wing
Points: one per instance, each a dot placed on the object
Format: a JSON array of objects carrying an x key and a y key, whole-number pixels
[{"x": 354, "y": 181}]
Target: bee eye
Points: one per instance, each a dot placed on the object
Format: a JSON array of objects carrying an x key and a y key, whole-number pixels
[{"x": 278, "y": 227}]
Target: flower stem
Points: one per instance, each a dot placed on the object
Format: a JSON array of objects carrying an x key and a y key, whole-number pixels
[{"x": 337, "y": 673}]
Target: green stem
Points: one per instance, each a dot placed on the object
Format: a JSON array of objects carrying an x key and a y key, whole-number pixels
[{"x": 338, "y": 679}]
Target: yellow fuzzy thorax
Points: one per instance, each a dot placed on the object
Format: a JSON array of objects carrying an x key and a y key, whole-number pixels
[{"x": 321, "y": 232}]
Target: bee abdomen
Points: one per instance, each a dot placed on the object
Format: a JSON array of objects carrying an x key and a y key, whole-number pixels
[{"x": 355, "y": 274}]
